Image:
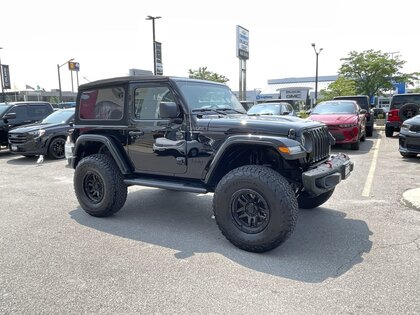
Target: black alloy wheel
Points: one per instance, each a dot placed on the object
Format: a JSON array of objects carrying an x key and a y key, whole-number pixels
[
  {"x": 250, "y": 211},
  {"x": 93, "y": 186},
  {"x": 56, "y": 148}
]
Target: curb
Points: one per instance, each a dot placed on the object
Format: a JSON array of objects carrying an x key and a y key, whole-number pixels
[{"x": 411, "y": 198}]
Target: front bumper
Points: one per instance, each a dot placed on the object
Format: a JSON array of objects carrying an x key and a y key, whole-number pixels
[
  {"x": 328, "y": 175},
  {"x": 409, "y": 143},
  {"x": 69, "y": 152},
  {"x": 35, "y": 146}
]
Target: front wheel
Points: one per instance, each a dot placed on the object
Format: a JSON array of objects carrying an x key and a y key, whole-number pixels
[
  {"x": 255, "y": 208},
  {"x": 99, "y": 185},
  {"x": 56, "y": 148},
  {"x": 306, "y": 201},
  {"x": 408, "y": 155}
]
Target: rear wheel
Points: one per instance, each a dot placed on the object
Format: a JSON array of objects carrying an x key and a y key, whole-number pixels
[
  {"x": 369, "y": 131},
  {"x": 255, "y": 208},
  {"x": 389, "y": 131},
  {"x": 99, "y": 185}
]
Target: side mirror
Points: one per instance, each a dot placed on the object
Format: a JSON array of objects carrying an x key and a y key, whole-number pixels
[
  {"x": 168, "y": 110},
  {"x": 363, "y": 111},
  {"x": 9, "y": 116}
]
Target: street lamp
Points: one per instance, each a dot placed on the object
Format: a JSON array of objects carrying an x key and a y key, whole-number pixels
[
  {"x": 1, "y": 76},
  {"x": 153, "y": 18},
  {"x": 316, "y": 72},
  {"x": 59, "y": 79}
]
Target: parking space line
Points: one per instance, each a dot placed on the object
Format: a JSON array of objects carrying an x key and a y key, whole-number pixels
[{"x": 369, "y": 179}]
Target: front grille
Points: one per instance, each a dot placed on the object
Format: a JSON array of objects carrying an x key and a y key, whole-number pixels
[
  {"x": 317, "y": 143},
  {"x": 415, "y": 128},
  {"x": 17, "y": 138},
  {"x": 413, "y": 147}
]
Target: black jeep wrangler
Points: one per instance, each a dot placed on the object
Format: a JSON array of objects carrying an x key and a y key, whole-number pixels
[{"x": 192, "y": 135}]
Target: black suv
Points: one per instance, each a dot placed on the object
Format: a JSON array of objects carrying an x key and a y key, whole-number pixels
[
  {"x": 20, "y": 113},
  {"x": 44, "y": 138},
  {"x": 192, "y": 135},
  {"x": 363, "y": 101}
]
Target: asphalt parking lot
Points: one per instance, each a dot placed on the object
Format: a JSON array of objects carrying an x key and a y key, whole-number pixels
[{"x": 162, "y": 253}]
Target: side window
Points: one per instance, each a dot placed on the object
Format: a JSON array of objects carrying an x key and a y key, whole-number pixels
[
  {"x": 147, "y": 100},
  {"x": 102, "y": 104},
  {"x": 38, "y": 111},
  {"x": 21, "y": 114}
]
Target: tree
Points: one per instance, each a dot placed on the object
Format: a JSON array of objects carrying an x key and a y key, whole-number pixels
[
  {"x": 341, "y": 86},
  {"x": 374, "y": 71},
  {"x": 203, "y": 74}
]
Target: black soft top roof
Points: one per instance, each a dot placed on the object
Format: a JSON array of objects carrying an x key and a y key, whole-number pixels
[{"x": 142, "y": 78}]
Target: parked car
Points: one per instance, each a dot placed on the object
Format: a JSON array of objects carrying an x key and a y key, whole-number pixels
[
  {"x": 45, "y": 138},
  {"x": 260, "y": 169},
  {"x": 20, "y": 113},
  {"x": 364, "y": 103},
  {"x": 409, "y": 138},
  {"x": 281, "y": 108},
  {"x": 402, "y": 107},
  {"x": 378, "y": 113},
  {"x": 345, "y": 119}
]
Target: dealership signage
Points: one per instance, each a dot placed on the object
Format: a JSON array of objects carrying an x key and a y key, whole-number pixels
[
  {"x": 6, "y": 76},
  {"x": 242, "y": 43},
  {"x": 300, "y": 93},
  {"x": 159, "y": 66}
]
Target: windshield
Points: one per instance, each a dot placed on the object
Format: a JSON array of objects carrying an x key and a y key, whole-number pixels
[
  {"x": 3, "y": 108},
  {"x": 59, "y": 117},
  {"x": 400, "y": 100},
  {"x": 203, "y": 96},
  {"x": 331, "y": 108},
  {"x": 266, "y": 109}
]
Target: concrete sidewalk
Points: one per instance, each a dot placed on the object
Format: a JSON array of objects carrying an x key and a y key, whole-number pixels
[{"x": 411, "y": 198}]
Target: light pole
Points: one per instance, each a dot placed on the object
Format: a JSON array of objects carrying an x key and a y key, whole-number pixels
[
  {"x": 59, "y": 78},
  {"x": 316, "y": 72},
  {"x": 153, "y": 18},
  {"x": 1, "y": 76}
]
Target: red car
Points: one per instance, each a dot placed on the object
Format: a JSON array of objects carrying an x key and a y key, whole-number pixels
[{"x": 345, "y": 119}]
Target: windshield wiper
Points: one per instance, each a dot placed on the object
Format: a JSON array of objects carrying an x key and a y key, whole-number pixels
[{"x": 228, "y": 108}]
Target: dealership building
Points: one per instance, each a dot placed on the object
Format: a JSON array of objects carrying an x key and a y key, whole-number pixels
[{"x": 301, "y": 89}]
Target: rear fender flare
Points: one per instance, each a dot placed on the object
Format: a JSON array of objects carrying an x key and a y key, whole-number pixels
[{"x": 115, "y": 152}]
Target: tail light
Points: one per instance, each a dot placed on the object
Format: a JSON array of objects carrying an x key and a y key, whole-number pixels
[{"x": 393, "y": 115}]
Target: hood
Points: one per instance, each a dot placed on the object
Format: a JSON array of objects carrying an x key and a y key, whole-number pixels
[
  {"x": 36, "y": 126},
  {"x": 335, "y": 119},
  {"x": 264, "y": 124},
  {"x": 414, "y": 120}
]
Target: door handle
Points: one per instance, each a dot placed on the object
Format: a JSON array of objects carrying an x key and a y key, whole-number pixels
[{"x": 136, "y": 133}]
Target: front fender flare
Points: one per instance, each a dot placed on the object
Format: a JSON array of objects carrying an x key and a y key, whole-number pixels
[{"x": 267, "y": 141}]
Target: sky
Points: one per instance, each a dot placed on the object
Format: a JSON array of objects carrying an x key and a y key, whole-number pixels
[{"x": 108, "y": 38}]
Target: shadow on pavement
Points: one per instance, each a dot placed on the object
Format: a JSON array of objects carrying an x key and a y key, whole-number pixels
[{"x": 325, "y": 243}]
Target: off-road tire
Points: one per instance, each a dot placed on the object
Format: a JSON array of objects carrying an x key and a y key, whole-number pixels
[
  {"x": 56, "y": 148},
  {"x": 99, "y": 185},
  {"x": 306, "y": 201},
  {"x": 255, "y": 208},
  {"x": 408, "y": 111},
  {"x": 389, "y": 131}
]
